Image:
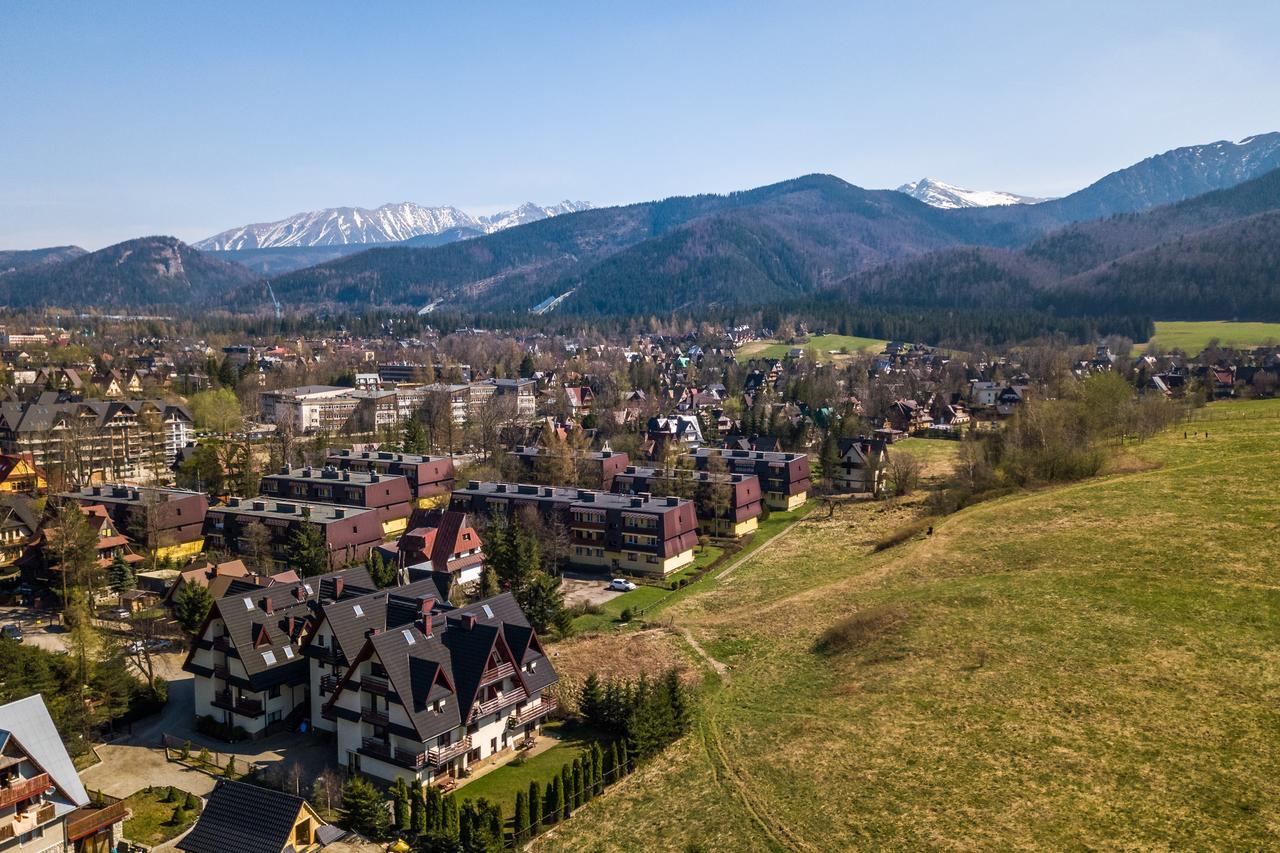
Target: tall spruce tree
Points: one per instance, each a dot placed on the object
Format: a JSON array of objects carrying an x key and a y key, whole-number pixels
[
  {"x": 535, "y": 808},
  {"x": 566, "y": 785}
]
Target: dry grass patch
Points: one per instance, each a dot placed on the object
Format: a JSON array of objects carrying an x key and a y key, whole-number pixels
[
  {"x": 622, "y": 654},
  {"x": 861, "y": 629}
]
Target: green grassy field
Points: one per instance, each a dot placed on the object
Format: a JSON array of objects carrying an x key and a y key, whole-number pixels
[
  {"x": 1194, "y": 337},
  {"x": 501, "y": 784},
  {"x": 151, "y": 818},
  {"x": 825, "y": 344},
  {"x": 1088, "y": 666}
]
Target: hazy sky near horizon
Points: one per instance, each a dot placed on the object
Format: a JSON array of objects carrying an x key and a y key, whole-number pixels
[{"x": 121, "y": 120}]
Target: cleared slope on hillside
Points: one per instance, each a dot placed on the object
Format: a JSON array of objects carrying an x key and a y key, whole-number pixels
[{"x": 1087, "y": 666}]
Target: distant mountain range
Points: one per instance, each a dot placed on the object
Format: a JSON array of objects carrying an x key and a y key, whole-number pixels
[
  {"x": 21, "y": 259},
  {"x": 148, "y": 271},
  {"x": 935, "y": 193},
  {"x": 811, "y": 236},
  {"x": 391, "y": 223}
]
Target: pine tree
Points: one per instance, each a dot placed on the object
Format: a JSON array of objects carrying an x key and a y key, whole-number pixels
[
  {"x": 566, "y": 785},
  {"x": 191, "y": 605},
  {"x": 449, "y": 817},
  {"x": 433, "y": 808},
  {"x": 308, "y": 552},
  {"x": 417, "y": 809},
  {"x": 489, "y": 583},
  {"x": 400, "y": 804},
  {"x": 364, "y": 806},
  {"x": 578, "y": 784},
  {"x": 591, "y": 701},
  {"x": 414, "y": 436},
  {"x": 520, "y": 821},
  {"x": 597, "y": 768},
  {"x": 678, "y": 699},
  {"x": 535, "y": 808},
  {"x": 611, "y": 772},
  {"x": 554, "y": 801},
  {"x": 120, "y": 576}
]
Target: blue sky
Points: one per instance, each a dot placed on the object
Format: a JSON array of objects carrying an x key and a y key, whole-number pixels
[{"x": 180, "y": 118}]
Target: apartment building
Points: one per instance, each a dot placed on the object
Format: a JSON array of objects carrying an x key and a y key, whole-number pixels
[
  {"x": 310, "y": 408},
  {"x": 348, "y": 532},
  {"x": 386, "y": 494},
  {"x": 95, "y": 440},
  {"x": 634, "y": 533},
  {"x": 342, "y": 625},
  {"x": 784, "y": 477},
  {"x": 43, "y": 804},
  {"x": 426, "y": 700},
  {"x": 430, "y": 477},
  {"x": 726, "y": 504},
  {"x": 173, "y": 519},
  {"x": 596, "y": 469},
  {"x": 247, "y": 659}
]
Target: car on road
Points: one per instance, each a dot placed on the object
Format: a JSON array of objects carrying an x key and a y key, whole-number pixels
[
  {"x": 621, "y": 585},
  {"x": 11, "y": 632}
]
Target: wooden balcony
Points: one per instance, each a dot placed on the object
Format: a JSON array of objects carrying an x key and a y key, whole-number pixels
[
  {"x": 497, "y": 673},
  {"x": 222, "y": 644},
  {"x": 492, "y": 706},
  {"x": 220, "y": 670},
  {"x": 328, "y": 684},
  {"x": 20, "y": 823},
  {"x": 375, "y": 717},
  {"x": 87, "y": 820},
  {"x": 381, "y": 750},
  {"x": 23, "y": 789},
  {"x": 375, "y": 684},
  {"x": 534, "y": 711},
  {"x": 237, "y": 704},
  {"x": 443, "y": 754}
]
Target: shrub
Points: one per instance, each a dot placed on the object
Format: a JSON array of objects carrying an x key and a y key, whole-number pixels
[
  {"x": 902, "y": 534},
  {"x": 626, "y": 615},
  {"x": 191, "y": 802},
  {"x": 169, "y": 795},
  {"x": 861, "y": 629}
]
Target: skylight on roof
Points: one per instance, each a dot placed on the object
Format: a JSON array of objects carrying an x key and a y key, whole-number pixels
[
  {"x": 308, "y": 588},
  {"x": 288, "y": 652},
  {"x": 408, "y": 636},
  {"x": 248, "y": 604},
  {"x": 269, "y": 658},
  {"x": 358, "y": 609},
  {"x": 488, "y": 611}
]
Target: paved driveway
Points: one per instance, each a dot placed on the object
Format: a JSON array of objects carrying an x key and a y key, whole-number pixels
[
  {"x": 38, "y": 627},
  {"x": 137, "y": 760},
  {"x": 581, "y": 589}
]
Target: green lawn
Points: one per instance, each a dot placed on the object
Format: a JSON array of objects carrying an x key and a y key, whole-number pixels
[
  {"x": 152, "y": 820},
  {"x": 825, "y": 344},
  {"x": 500, "y": 785},
  {"x": 1090, "y": 666},
  {"x": 1192, "y": 337},
  {"x": 643, "y": 596}
]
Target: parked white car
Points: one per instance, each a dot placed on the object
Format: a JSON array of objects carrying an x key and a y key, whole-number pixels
[{"x": 621, "y": 585}]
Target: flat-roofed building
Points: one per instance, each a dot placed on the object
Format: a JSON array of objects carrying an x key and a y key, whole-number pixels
[
  {"x": 430, "y": 477},
  {"x": 169, "y": 520},
  {"x": 784, "y": 477},
  {"x": 727, "y": 504},
  {"x": 634, "y": 533},
  {"x": 388, "y": 495},
  {"x": 348, "y": 532},
  {"x": 596, "y": 468}
]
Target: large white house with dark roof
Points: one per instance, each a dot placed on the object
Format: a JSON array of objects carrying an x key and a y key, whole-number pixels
[{"x": 427, "y": 699}]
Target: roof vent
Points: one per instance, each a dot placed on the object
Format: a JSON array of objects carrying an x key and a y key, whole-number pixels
[
  {"x": 672, "y": 501},
  {"x": 259, "y": 506},
  {"x": 339, "y": 512}
]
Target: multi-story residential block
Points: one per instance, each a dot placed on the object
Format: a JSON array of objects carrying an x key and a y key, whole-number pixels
[
  {"x": 348, "y": 532},
  {"x": 43, "y": 804},
  {"x": 342, "y": 625},
  {"x": 388, "y": 495},
  {"x": 19, "y": 473},
  {"x": 521, "y": 391},
  {"x": 727, "y": 504},
  {"x": 634, "y": 533},
  {"x": 861, "y": 466},
  {"x": 94, "y": 440},
  {"x": 596, "y": 469},
  {"x": 784, "y": 477},
  {"x": 247, "y": 658},
  {"x": 310, "y": 408},
  {"x": 428, "y": 699},
  {"x": 169, "y": 520},
  {"x": 430, "y": 477}
]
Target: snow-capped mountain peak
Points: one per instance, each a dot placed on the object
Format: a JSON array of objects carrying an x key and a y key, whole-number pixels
[
  {"x": 389, "y": 223},
  {"x": 938, "y": 194}
]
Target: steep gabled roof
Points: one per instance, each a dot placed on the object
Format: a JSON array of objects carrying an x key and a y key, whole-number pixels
[
  {"x": 243, "y": 818},
  {"x": 28, "y": 724}
]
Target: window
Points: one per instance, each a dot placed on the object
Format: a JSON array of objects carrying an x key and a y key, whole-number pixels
[
  {"x": 288, "y": 652},
  {"x": 248, "y": 604},
  {"x": 274, "y": 692},
  {"x": 269, "y": 658},
  {"x": 358, "y": 610},
  {"x": 488, "y": 611},
  {"x": 408, "y": 636}
]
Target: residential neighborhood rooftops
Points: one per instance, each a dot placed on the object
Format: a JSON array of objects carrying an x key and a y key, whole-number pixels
[
  {"x": 243, "y": 818},
  {"x": 316, "y": 513}
]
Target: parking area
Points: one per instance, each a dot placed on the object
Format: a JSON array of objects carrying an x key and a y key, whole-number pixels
[
  {"x": 39, "y": 628},
  {"x": 586, "y": 589}
]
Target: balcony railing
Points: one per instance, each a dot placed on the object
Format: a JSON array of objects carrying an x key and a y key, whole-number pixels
[
  {"x": 491, "y": 706},
  {"x": 89, "y": 819},
  {"x": 374, "y": 716},
  {"x": 375, "y": 684},
  {"x": 220, "y": 670},
  {"x": 328, "y": 684},
  {"x": 537, "y": 709},
  {"x": 23, "y": 789},
  {"x": 238, "y": 704},
  {"x": 222, "y": 643},
  {"x": 381, "y": 750},
  {"x": 497, "y": 673},
  {"x": 442, "y": 754}
]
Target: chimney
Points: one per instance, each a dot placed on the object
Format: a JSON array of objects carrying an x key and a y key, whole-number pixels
[
  {"x": 338, "y": 584},
  {"x": 468, "y": 622},
  {"x": 267, "y": 605},
  {"x": 338, "y": 512},
  {"x": 299, "y": 593},
  {"x": 292, "y": 622}
]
